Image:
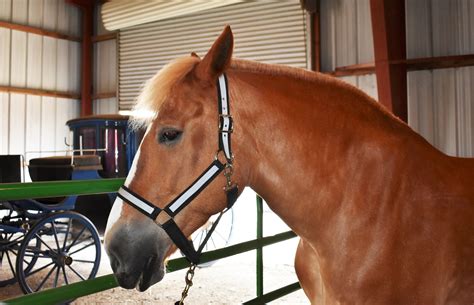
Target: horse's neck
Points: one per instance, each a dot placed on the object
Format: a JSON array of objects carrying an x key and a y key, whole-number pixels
[{"x": 302, "y": 140}]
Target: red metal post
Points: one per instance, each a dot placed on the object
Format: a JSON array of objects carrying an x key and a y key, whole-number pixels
[
  {"x": 388, "y": 28},
  {"x": 87, "y": 7}
]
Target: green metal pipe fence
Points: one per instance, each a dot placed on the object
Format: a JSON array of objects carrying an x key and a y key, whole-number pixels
[{"x": 16, "y": 191}]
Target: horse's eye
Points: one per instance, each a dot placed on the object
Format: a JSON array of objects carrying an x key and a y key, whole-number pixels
[{"x": 169, "y": 136}]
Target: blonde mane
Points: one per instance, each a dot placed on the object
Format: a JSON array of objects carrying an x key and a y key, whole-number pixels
[{"x": 156, "y": 90}]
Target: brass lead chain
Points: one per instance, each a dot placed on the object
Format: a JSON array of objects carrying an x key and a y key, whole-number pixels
[{"x": 189, "y": 282}]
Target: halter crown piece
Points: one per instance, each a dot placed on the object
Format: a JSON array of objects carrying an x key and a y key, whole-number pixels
[{"x": 165, "y": 217}]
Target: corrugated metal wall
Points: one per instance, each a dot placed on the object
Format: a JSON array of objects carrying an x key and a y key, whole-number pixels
[
  {"x": 29, "y": 122},
  {"x": 440, "y": 102},
  {"x": 105, "y": 69},
  {"x": 346, "y": 39},
  {"x": 267, "y": 31}
]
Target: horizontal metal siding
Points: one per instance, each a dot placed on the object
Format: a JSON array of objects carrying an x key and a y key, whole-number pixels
[{"x": 272, "y": 32}]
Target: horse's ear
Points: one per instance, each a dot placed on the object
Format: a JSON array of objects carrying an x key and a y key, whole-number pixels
[
  {"x": 194, "y": 54},
  {"x": 218, "y": 57}
]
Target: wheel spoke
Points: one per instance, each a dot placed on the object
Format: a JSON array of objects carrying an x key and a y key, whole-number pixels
[
  {"x": 64, "y": 274},
  {"x": 77, "y": 273},
  {"x": 55, "y": 233},
  {"x": 75, "y": 239},
  {"x": 67, "y": 233},
  {"x": 43, "y": 242},
  {"x": 41, "y": 268},
  {"x": 56, "y": 277},
  {"x": 84, "y": 261},
  {"x": 39, "y": 255},
  {"x": 45, "y": 278},
  {"x": 80, "y": 249},
  {"x": 10, "y": 263}
]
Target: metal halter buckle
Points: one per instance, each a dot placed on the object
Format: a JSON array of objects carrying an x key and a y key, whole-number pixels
[{"x": 221, "y": 123}]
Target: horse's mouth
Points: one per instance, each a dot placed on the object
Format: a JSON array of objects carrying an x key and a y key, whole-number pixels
[{"x": 151, "y": 274}]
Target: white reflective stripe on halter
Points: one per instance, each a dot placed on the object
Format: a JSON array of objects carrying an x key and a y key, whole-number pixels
[
  {"x": 137, "y": 202},
  {"x": 226, "y": 122},
  {"x": 193, "y": 189}
]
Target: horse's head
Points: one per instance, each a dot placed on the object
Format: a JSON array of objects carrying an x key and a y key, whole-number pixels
[{"x": 179, "y": 144}]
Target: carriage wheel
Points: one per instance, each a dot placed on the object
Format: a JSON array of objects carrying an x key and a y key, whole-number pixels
[
  {"x": 68, "y": 251},
  {"x": 9, "y": 245}
]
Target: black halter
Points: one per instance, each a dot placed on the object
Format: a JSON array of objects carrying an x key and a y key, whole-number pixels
[{"x": 165, "y": 217}]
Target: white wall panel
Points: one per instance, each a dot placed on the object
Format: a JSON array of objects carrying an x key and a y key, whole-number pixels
[
  {"x": 62, "y": 65},
  {"x": 366, "y": 83},
  {"x": 346, "y": 33},
  {"x": 105, "y": 68},
  {"x": 20, "y": 11},
  {"x": 439, "y": 27},
  {"x": 465, "y": 111},
  {"x": 105, "y": 106},
  {"x": 74, "y": 67},
  {"x": 29, "y": 122},
  {"x": 50, "y": 14},
  {"x": 5, "y": 56},
  {"x": 4, "y": 122},
  {"x": 441, "y": 108},
  {"x": 35, "y": 13},
  {"x": 48, "y": 125},
  {"x": 18, "y": 59},
  {"x": 34, "y": 61},
  {"x": 17, "y": 124},
  {"x": 5, "y": 10},
  {"x": 33, "y": 126},
  {"x": 49, "y": 63}
]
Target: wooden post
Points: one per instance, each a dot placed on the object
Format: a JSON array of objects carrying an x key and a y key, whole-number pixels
[
  {"x": 87, "y": 7},
  {"x": 388, "y": 28},
  {"x": 312, "y": 7}
]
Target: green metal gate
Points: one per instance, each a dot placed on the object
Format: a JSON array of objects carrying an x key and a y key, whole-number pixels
[{"x": 14, "y": 191}]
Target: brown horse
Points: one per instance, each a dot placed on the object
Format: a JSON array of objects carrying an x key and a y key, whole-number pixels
[{"x": 383, "y": 217}]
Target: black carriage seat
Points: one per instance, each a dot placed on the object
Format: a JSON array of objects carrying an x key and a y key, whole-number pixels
[
  {"x": 58, "y": 168},
  {"x": 61, "y": 167}
]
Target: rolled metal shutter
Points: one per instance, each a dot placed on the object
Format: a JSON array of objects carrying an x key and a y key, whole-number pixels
[{"x": 266, "y": 31}]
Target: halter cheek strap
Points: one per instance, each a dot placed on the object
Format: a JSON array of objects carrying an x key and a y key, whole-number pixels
[{"x": 165, "y": 217}]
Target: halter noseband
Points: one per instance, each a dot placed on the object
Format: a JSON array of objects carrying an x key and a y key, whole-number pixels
[{"x": 165, "y": 217}]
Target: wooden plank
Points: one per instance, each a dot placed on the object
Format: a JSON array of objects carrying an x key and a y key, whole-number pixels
[
  {"x": 104, "y": 37},
  {"x": 414, "y": 64},
  {"x": 38, "y": 31},
  {"x": 105, "y": 95},
  {"x": 39, "y": 92}
]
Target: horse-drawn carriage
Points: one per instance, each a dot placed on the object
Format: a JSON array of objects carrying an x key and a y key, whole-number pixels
[{"x": 46, "y": 243}]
